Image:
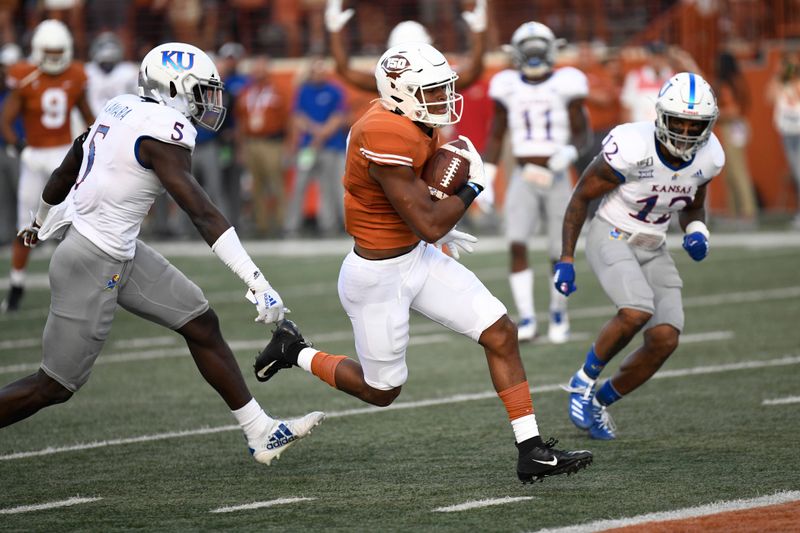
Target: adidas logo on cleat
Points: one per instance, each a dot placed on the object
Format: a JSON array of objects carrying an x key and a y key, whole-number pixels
[{"x": 281, "y": 437}]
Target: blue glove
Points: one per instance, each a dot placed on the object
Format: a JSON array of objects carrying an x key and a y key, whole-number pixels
[
  {"x": 696, "y": 245},
  {"x": 564, "y": 278}
]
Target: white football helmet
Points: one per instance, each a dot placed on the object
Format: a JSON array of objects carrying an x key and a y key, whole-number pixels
[
  {"x": 183, "y": 77},
  {"x": 408, "y": 31},
  {"x": 106, "y": 50},
  {"x": 51, "y": 47},
  {"x": 533, "y": 49},
  {"x": 407, "y": 75},
  {"x": 685, "y": 96}
]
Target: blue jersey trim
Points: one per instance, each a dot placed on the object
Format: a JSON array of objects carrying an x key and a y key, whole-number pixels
[
  {"x": 136, "y": 150},
  {"x": 617, "y": 173},
  {"x": 680, "y": 166}
]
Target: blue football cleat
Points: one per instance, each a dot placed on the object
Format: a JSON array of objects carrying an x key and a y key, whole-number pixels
[
  {"x": 581, "y": 393},
  {"x": 603, "y": 426}
]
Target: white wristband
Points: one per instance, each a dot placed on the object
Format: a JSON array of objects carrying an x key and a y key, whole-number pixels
[
  {"x": 231, "y": 252},
  {"x": 697, "y": 226},
  {"x": 41, "y": 213}
]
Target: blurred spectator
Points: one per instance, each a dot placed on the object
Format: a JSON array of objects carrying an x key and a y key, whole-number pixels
[
  {"x": 8, "y": 9},
  {"x": 784, "y": 91},
  {"x": 734, "y": 100},
  {"x": 9, "y": 162},
  {"x": 319, "y": 137},
  {"x": 642, "y": 84},
  {"x": 250, "y": 16},
  {"x": 605, "y": 80},
  {"x": 184, "y": 18},
  {"x": 230, "y": 54},
  {"x": 108, "y": 74},
  {"x": 261, "y": 117}
]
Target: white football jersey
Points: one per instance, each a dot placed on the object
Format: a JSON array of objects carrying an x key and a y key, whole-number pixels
[
  {"x": 114, "y": 192},
  {"x": 651, "y": 190},
  {"x": 538, "y": 114},
  {"x": 102, "y": 86}
]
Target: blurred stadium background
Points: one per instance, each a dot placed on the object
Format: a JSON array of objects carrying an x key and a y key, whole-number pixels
[{"x": 606, "y": 38}]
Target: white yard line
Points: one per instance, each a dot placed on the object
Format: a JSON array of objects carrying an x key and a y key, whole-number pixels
[
  {"x": 782, "y": 401},
  {"x": 259, "y": 505},
  {"x": 49, "y": 505},
  {"x": 679, "y": 514},
  {"x": 477, "y": 504},
  {"x": 791, "y": 359}
]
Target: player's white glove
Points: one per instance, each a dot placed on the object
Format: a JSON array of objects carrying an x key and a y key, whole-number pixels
[
  {"x": 485, "y": 200},
  {"x": 268, "y": 304},
  {"x": 477, "y": 175},
  {"x": 561, "y": 160},
  {"x": 454, "y": 240},
  {"x": 335, "y": 18},
  {"x": 476, "y": 19},
  {"x": 30, "y": 233}
]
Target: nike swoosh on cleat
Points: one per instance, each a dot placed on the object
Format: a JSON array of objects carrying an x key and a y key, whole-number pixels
[{"x": 552, "y": 462}]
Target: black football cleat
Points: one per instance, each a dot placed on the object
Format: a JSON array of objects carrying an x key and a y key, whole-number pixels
[
  {"x": 282, "y": 350},
  {"x": 544, "y": 461},
  {"x": 11, "y": 302}
]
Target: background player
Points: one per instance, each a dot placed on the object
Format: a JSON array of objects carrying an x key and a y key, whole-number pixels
[
  {"x": 392, "y": 268},
  {"x": 544, "y": 110},
  {"x": 645, "y": 172},
  {"x": 44, "y": 91}
]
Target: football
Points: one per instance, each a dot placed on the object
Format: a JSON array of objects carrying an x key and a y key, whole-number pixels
[{"x": 446, "y": 172}]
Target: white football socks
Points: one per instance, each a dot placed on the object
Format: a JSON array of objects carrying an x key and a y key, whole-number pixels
[
  {"x": 522, "y": 291},
  {"x": 16, "y": 277},
  {"x": 254, "y": 421},
  {"x": 525, "y": 427},
  {"x": 304, "y": 358}
]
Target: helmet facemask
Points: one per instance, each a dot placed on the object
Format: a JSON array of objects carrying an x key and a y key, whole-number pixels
[
  {"x": 534, "y": 57},
  {"x": 678, "y": 141},
  {"x": 205, "y": 103}
]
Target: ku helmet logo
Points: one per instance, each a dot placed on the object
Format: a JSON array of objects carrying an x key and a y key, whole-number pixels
[
  {"x": 394, "y": 66},
  {"x": 175, "y": 60}
]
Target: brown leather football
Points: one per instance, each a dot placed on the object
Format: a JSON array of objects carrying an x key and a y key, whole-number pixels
[{"x": 446, "y": 172}]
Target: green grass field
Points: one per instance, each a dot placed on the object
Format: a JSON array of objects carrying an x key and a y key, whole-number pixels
[{"x": 697, "y": 434}]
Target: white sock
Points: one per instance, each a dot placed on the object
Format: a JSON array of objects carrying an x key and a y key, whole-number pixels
[
  {"x": 304, "y": 358},
  {"x": 16, "y": 277},
  {"x": 525, "y": 427},
  {"x": 522, "y": 291},
  {"x": 558, "y": 302},
  {"x": 253, "y": 419}
]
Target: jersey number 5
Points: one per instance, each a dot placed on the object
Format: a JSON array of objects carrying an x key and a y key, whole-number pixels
[{"x": 102, "y": 129}]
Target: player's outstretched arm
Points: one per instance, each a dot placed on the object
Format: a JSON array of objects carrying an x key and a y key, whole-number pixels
[
  {"x": 172, "y": 164},
  {"x": 471, "y": 70},
  {"x": 335, "y": 19}
]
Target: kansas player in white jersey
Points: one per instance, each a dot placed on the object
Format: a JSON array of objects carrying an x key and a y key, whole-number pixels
[
  {"x": 543, "y": 110},
  {"x": 137, "y": 147},
  {"x": 645, "y": 173}
]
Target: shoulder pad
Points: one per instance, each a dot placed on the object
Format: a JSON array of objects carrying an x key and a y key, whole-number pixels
[
  {"x": 166, "y": 125},
  {"x": 717, "y": 154},
  {"x": 572, "y": 83},
  {"x": 390, "y": 139},
  {"x": 502, "y": 83},
  {"x": 624, "y": 147}
]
